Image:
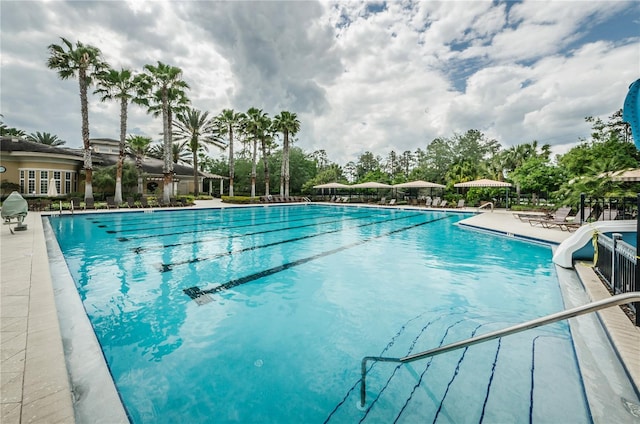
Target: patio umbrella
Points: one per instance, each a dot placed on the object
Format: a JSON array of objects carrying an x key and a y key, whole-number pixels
[
  {"x": 332, "y": 185},
  {"x": 483, "y": 183},
  {"x": 418, "y": 184},
  {"x": 486, "y": 183},
  {"x": 53, "y": 190},
  {"x": 370, "y": 184},
  {"x": 630, "y": 175}
]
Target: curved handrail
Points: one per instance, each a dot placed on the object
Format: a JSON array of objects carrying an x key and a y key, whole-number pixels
[{"x": 619, "y": 299}]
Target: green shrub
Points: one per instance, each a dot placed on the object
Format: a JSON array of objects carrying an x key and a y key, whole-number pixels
[{"x": 240, "y": 200}]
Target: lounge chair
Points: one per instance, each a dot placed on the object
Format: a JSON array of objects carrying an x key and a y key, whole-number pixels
[
  {"x": 460, "y": 203},
  {"x": 392, "y": 202},
  {"x": 144, "y": 202},
  {"x": 111, "y": 203},
  {"x": 131, "y": 203},
  {"x": 436, "y": 201},
  {"x": 14, "y": 211},
  {"x": 383, "y": 201},
  {"x": 89, "y": 204},
  {"x": 428, "y": 201},
  {"x": 443, "y": 204},
  {"x": 560, "y": 217}
]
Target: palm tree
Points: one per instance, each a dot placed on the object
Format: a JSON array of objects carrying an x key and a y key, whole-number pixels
[
  {"x": 139, "y": 146},
  {"x": 266, "y": 140},
  {"x": 118, "y": 85},
  {"x": 83, "y": 62},
  {"x": 254, "y": 126},
  {"x": 287, "y": 123},
  {"x": 161, "y": 89},
  {"x": 228, "y": 121},
  {"x": 197, "y": 131},
  {"x": 45, "y": 138}
]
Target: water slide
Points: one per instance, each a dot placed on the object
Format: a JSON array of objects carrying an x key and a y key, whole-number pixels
[{"x": 579, "y": 245}]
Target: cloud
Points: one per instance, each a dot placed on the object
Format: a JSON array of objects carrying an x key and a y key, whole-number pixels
[{"x": 361, "y": 76}]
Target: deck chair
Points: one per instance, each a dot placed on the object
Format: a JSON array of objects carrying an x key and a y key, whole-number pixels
[
  {"x": 144, "y": 202},
  {"x": 608, "y": 215},
  {"x": 460, "y": 203},
  {"x": 131, "y": 203},
  {"x": 436, "y": 201},
  {"x": 428, "y": 201},
  {"x": 14, "y": 211},
  {"x": 443, "y": 204},
  {"x": 89, "y": 204},
  {"x": 392, "y": 202},
  {"x": 111, "y": 203},
  {"x": 560, "y": 217}
]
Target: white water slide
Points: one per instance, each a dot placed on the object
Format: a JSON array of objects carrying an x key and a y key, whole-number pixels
[{"x": 579, "y": 245}]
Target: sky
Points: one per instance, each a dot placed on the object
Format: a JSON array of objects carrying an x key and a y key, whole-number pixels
[{"x": 361, "y": 76}]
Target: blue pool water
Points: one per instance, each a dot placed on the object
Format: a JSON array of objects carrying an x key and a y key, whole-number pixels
[{"x": 263, "y": 314}]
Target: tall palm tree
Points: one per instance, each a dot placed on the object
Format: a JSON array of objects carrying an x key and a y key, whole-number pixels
[
  {"x": 120, "y": 85},
  {"x": 161, "y": 88},
  {"x": 254, "y": 126},
  {"x": 45, "y": 138},
  {"x": 266, "y": 140},
  {"x": 287, "y": 123},
  {"x": 139, "y": 146},
  {"x": 197, "y": 131},
  {"x": 83, "y": 62},
  {"x": 228, "y": 122}
]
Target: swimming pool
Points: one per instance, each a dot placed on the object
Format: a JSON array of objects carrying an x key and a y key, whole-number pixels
[{"x": 263, "y": 315}]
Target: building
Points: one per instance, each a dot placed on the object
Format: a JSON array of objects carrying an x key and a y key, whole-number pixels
[{"x": 35, "y": 166}]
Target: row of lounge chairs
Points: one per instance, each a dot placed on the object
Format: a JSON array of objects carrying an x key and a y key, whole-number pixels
[
  {"x": 144, "y": 202},
  {"x": 561, "y": 218},
  {"x": 283, "y": 199}
]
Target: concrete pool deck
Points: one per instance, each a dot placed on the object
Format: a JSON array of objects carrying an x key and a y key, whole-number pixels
[{"x": 34, "y": 382}]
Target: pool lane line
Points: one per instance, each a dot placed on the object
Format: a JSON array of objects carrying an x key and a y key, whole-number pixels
[
  {"x": 140, "y": 249},
  {"x": 415, "y": 387},
  {"x": 382, "y": 353},
  {"x": 255, "y": 276},
  {"x": 455, "y": 374},
  {"x": 169, "y": 267},
  {"x": 206, "y": 223},
  {"x": 204, "y": 230},
  {"x": 193, "y": 219},
  {"x": 493, "y": 371}
]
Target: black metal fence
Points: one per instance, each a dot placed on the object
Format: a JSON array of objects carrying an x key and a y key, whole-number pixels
[{"x": 617, "y": 261}]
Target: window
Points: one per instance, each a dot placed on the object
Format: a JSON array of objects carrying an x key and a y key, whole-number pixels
[
  {"x": 67, "y": 182},
  {"x": 22, "y": 181},
  {"x": 44, "y": 182},
  {"x": 56, "y": 177},
  {"x": 32, "y": 181}
]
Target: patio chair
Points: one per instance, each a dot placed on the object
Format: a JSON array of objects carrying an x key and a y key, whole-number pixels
[
  {"x": 89, "y": 204},
  {"x": 460, "y": 203},
  {"x": 131, "y": 203},
  {"x": 14, "y": 211},
  {"x": 428, "y": 201},
  {"x": 111, "y": 203},
  {"x": 443, "y": 204},
  {"x": 560, "y": 217},
  {"x": 392, "y": 202},
  {"x": 144, "y": 202}
]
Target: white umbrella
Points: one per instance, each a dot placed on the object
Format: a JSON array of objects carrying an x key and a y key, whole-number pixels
[
  {"x": 331, "y": 185},
  {"x": 483, "y": 183},
  {"x": 630, "y": 175},
  {"x": 370, "y": 184},
  {"x": 53, "y": 190},
  {"x": 418, "y": 184}
]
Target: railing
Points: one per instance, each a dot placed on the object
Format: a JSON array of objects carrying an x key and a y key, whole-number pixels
[
  {"x": 549, "y": 319},
  {"x": 616, "y": 264}
]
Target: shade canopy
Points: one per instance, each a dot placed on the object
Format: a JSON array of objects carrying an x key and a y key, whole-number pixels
[
  {"x": 630, "y": 175},
  {"x": 332, "y": 185},
  {"x": 483, "y": 183},
  {"x": 418, "y": 184},
  {"x": 370, "y": 184},
  {"x": 631, "y": 111}
]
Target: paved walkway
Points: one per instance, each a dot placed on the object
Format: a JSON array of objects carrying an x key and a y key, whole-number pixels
[{"x": 34, "y": 381}]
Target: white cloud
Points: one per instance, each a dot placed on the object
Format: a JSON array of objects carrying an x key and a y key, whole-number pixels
[{"x": 361, "y": 76}]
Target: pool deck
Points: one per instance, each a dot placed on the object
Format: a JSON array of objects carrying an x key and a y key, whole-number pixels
[{"x": 34, "y": 383}]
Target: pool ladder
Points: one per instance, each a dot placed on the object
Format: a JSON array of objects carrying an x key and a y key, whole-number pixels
[{"x": 620, "y": 299}]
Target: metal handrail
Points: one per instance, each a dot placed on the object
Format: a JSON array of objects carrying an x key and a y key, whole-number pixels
[{"x": 538, "y": 322}]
